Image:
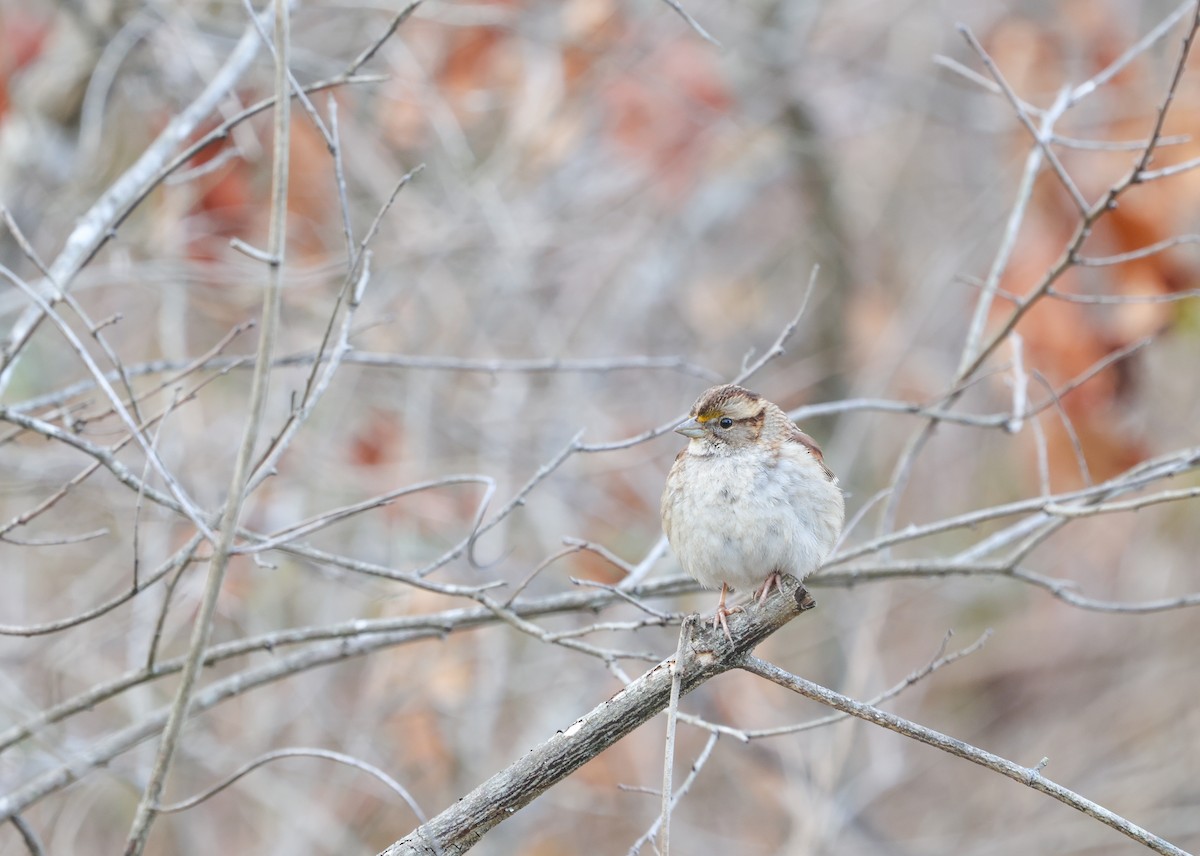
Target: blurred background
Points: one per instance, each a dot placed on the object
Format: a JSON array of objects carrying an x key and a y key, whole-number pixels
[{"x": 605, "y": 188}]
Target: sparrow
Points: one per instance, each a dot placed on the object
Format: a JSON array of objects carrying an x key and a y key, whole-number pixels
[{"x": 749, "y": 499}]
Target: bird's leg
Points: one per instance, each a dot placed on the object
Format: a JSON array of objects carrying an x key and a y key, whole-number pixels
[
  {"x": 775, "y": 579},
  {"x": 723, "y": 611}
]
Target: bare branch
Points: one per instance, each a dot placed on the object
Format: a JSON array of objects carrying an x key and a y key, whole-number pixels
[
  {"x": 1134, "y": 255},
  {"x": 1012, "y": 228},
  {"x": 692, "y": 22},
  {"x": 1029, "y": 776},
  {"x": 240, "y": 478},
  {"x": 95, "y": 227},
  {"x": 705, "y": 656},
  {"x": 298, "y": 752},
  {"x": 398, "y": 630},
  {"x": 186, "y": 505},
  {"x": 1039, "y": 137},
  {"x": 939, "y": 660},
  {"x": 692, "y": 776},
  {"x": 28, "y": 835},
  {"x": 1138, "y": 48},
  {"x": 350, "y": 642},
  {"x": 1064, "y": 591},
  {"x": 686, "y": 629},
  {"x": 1070, "y": 254}
]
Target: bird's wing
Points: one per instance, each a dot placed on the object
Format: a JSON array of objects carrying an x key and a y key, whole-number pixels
[{"x": 798, "y": 436}]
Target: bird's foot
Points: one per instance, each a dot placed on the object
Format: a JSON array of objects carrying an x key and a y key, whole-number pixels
[
  {"x": 723, "y": 612},
  {"x": 776, "y": 580},
  {"x": 719, "y": 618}
]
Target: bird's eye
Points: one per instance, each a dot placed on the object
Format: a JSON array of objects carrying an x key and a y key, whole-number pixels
[{"x": 726, "y": 422}]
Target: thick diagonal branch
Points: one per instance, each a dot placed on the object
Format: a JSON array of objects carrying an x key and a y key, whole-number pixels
[{"x": 707, "y": 654}]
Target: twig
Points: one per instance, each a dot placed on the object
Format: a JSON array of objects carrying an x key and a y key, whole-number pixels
[
  {"x": 368, "y": 52},
  {"x": 748, "y": 371},
  {"x": 1063, "y": 591},
  {"x": 126, "y": 594},
  {"x": 102, "y": 458},
  {"x": 28, "y": 835},
  {"x": 417, "y": 362},
  {"x": 1008, "y": 243},
  {"x": 1043, "y": 456},
  {"x": 184, "y": 557},
  {"x": 692, "y": 776},
  {"x": 465, "y": 822},
  {"x": 239, "y": 480},
  {"x": 1020, "y": 385},
  {"x": 57, "y": 540},
  {"x": 1125, "y": 505},
  {"x": 1083, "y": 229},
  {"x": 1135, "y": 477},
  {"x": 1135, "y": 50},
  {"x": 1029, "y": 776},
  {"x": 1040, "y": 137},
  {"x": 329, "y": 358},
  {"x": 940, "y": 659},
  {"x": 1167, "y": 171},
  {"x": 185, "y": 504},
  {"x": 397, "y": 629},
  {"x": 628, "y": 598},
  {"x": 1116, "y": 145},
  {"x": 692, "y": 22},
  {"x": 339, "y": 174},
  {"x": 141, "y": 495},
  {"x": 95, "y": 227},
  {"x": 1068, "y": 426},
  {"x": 777, "y": 349},
  {"x": 518, "y": 498},
  {"x": 298, "y": 752},
  {"x": 1189, "y": 38},
  {"x": 541, "y": 566},
  {"x": 1123, "y": 299},
  {"x": 1140, "y": 253},
  {"x": 328, "y": 518},
  {"x": 676, "y": 666},
  {"x": 642, "y": 570},
  {"x": 608, "y": 656}
]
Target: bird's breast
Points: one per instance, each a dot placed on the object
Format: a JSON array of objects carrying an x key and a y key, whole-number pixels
[{"x": 736, "y": 519}]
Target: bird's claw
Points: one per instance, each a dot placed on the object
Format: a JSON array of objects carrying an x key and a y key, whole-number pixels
[
  {"x": 776, "y": 580},
  {"x": 719, "y": 619}
]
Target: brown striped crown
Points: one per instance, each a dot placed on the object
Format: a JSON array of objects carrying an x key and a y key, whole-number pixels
[{"x": 731, "y": 401}]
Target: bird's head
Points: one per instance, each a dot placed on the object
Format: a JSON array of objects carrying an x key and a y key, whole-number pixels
[{"x": 725, "y": 417}]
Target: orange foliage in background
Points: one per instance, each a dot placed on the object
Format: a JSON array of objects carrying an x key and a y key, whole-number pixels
[
  {"x": 602, "y": 184},
  {"x": 22, "y": 36},
  {"x": 655, "y": 113},
  {"x": 229, "y": 191},
  {"x": 1064, "y": 339}
]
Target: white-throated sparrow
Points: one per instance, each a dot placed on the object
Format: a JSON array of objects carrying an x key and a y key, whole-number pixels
[{"x": 750, "y": 497}]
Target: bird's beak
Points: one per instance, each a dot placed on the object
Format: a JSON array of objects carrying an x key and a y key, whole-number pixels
[{"x": 690, "y": 428}]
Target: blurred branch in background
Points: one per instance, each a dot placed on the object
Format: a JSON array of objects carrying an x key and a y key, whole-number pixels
[{"x": 520, "y": 240}]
